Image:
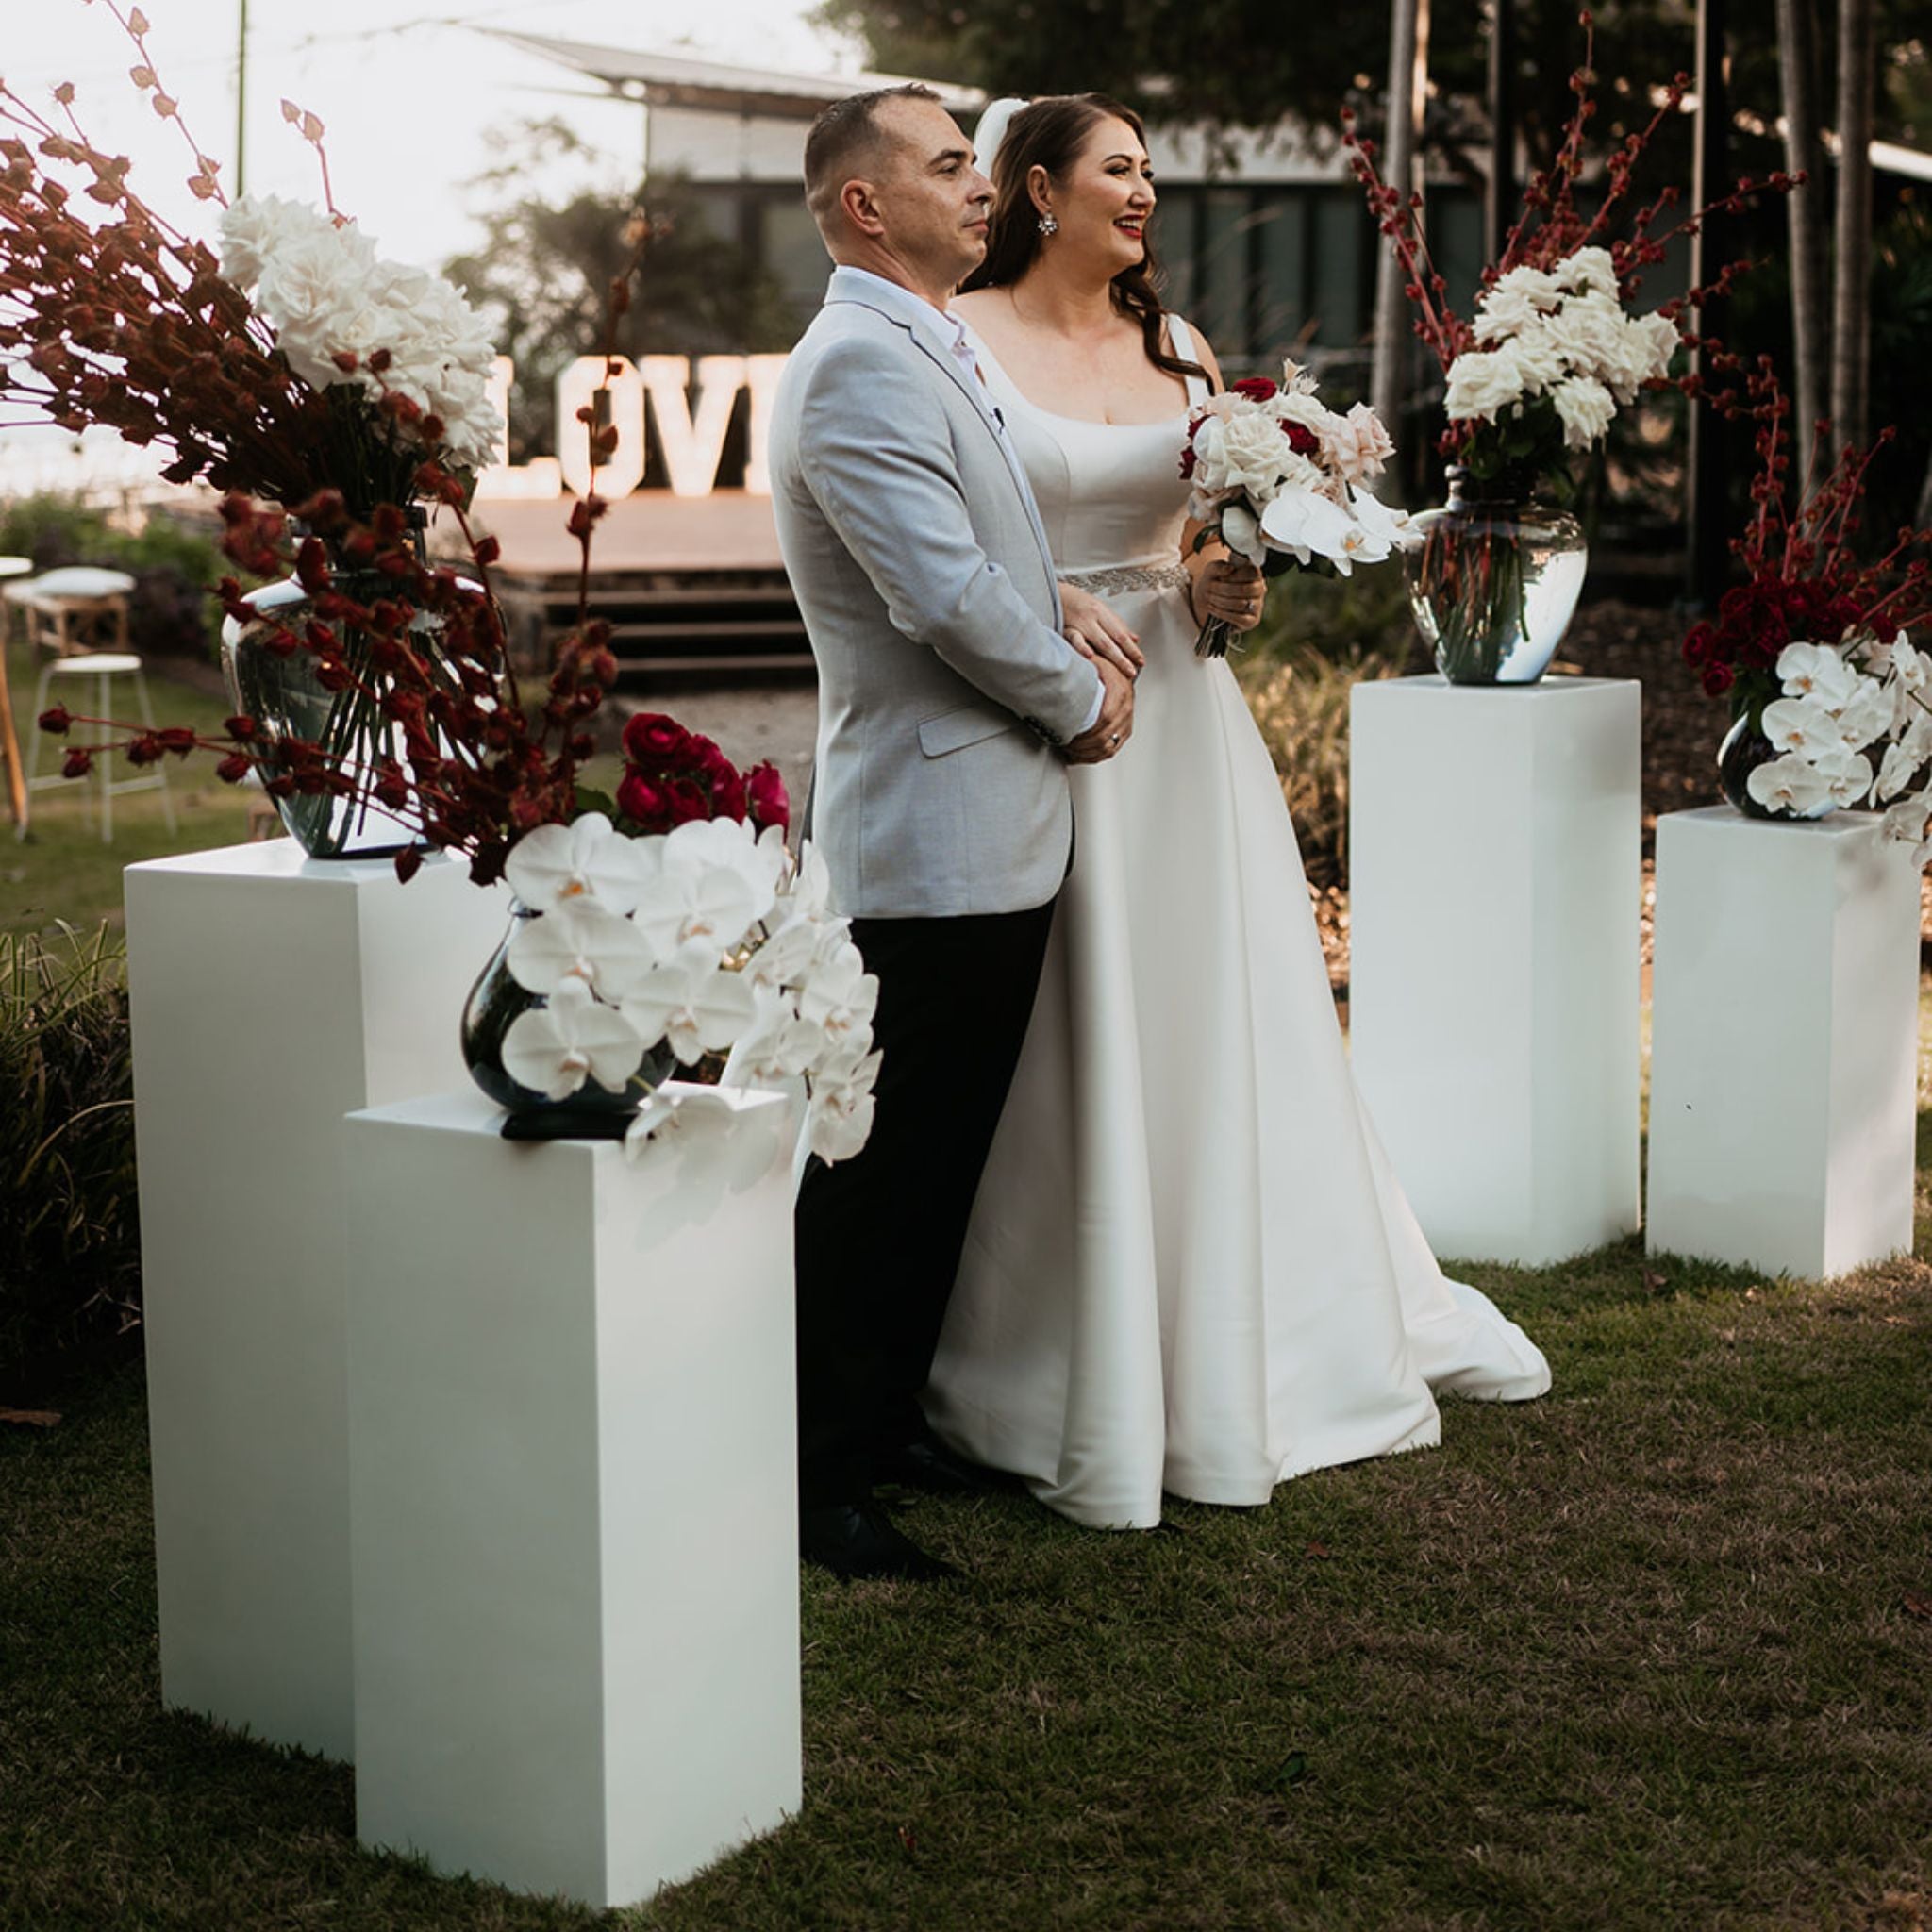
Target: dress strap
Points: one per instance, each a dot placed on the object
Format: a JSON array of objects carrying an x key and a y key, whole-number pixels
[{"x": 1181, "y": 340}]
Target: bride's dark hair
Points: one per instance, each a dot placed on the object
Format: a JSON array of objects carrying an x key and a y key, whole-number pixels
[{"x": 1049, "y": 133}]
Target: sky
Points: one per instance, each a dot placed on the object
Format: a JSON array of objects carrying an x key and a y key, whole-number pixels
[{"x": 408, "y": 98}]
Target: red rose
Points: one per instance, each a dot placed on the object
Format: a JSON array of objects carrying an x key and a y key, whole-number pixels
[
  {"x": 770, "y": 802},
  {"x": 1698, "y": 644},
  {"x": 56, "y": 718},
  {"x": 1301, "y": 438},
  {"x": 1187, "y": 463},
  {"x": 1717, "y": 679},
  {"x": 649, "y": 737},
  {"x": 1258, "y": 388},
  {"x": 685, "y": 801},
  {"x": 644, "y": 803}
]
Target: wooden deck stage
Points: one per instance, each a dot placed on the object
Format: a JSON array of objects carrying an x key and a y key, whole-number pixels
[{"x": 649, "y": 531}]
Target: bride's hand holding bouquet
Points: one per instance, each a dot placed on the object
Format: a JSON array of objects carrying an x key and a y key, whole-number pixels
[{"x": 1281, "y": 480}]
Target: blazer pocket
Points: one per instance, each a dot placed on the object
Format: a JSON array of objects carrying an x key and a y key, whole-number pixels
[{"x": 955, "y": 730}]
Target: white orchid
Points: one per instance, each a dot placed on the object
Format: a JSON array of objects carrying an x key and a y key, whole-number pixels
[
  {"x": 684, "y": 901},
  {"x": 584, "y": 863},
  {"x": 840, "y": 994},
  {"x": 1240, "y": 530},
  {"x": 1866, "y": 715},
  {"x": 840, "y": 1114},
  {"x": 693, "y": 1003},
  {"x": 1847, "y": 775},
  {"x": 554, "y": 1048},
  {"x": 781, "y": 1043},
  {"x": 1790, "y": 783},
  {"x": 1816, "y": 671},
  {"x": 580, "y": 941},
  {"x": 1804, "y": 724},
  {"x": 1308, "y": 525}
]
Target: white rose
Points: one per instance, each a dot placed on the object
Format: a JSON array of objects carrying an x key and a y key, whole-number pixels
[
  {"x": 1359, "y": 446},
  {"x": 1586, "y": 408},
  {"x": 1483, "y": 382},
  {"x": 1540, "y": 357},
  {"x": 1588, "y": 272},
  {"x": 1243, "y": 452}
]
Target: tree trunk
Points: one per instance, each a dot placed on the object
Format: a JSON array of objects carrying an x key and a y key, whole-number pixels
[
  {"x": 1797, "y": 47},
  {"x": 1851, "y": 309},
  {"x": 1409, "y": 72},
  {"x": 1707, "y": 547}
]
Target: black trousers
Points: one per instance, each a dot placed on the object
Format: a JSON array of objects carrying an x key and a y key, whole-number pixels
[{"x": 879, "y": 1235}]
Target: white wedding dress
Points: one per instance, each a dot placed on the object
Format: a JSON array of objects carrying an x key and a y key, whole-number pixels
[{"x": 1190, "y": 1267}]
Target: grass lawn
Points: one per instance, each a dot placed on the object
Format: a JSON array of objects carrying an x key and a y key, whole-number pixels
[
  {"x": 1653, "y": 1652},
  {"x": 62, "y": 870}
]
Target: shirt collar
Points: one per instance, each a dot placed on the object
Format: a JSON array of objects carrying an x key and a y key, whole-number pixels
[{"x": 944, "y": 330}]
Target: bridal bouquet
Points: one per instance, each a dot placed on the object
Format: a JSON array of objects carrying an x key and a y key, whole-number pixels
[{"x": 1282, "y": 479}]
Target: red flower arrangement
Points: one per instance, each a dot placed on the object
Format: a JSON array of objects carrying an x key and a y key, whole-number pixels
[
  {"x": 132, "y": 325},
  {"x": 671, "y": 775},
  {"x": 1804, "y": 578},
  {"x": 1549, "y": 233}
]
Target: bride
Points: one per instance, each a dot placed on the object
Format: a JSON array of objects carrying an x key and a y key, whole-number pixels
[{"x": 1190, "y": 1269}]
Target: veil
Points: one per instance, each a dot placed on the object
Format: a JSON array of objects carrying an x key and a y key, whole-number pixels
[{"x": 992, "y": 130}]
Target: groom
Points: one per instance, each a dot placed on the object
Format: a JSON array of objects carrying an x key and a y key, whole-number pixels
[{"x": 948, "y": 702}]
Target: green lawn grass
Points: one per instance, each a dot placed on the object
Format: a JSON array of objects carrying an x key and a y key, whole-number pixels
[
  {"x": 63, "y": 869},
  {"x": 1652, "y": 1652}
]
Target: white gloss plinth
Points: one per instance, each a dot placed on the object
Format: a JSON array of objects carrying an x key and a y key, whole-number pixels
[
  {"x": 1495, "y": 894},
  {"x": 271, "y": 994},
  {"x": 575, "y": 1482},
  {"x": 1783, "y": 1041}
]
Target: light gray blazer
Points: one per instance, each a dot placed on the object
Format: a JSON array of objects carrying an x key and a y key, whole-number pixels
[{"x": 924, "y": 577}]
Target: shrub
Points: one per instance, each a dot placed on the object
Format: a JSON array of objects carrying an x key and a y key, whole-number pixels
[
  {"x": 70, "y": 1253},
  {"x": 171, "y": 612},
  {"x": 1319, "y": 637}
]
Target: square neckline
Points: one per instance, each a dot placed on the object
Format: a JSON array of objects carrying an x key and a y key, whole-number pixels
[{"x": 1180, "y": 340}]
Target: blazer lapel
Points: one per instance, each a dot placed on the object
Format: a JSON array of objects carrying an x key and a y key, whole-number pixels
[{"x": 950, "y": 368}]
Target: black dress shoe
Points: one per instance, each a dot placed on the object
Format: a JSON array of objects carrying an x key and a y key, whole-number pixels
[
  {"x": 858, "y": 1540},
  {"x": 926, "y": 1463}
]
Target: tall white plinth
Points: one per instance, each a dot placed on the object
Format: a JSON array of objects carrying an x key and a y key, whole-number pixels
[
  {"x": 1783, "y": 1041},
  {"x": 270, "y": 995},
  {"x": 574, "y": 1481},
  {"x": 1495, "y": 894}
]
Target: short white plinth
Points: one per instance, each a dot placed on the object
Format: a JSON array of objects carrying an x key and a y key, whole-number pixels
[
  {"x": 1783, "y": 1043},
  {"x": 575, "y": 1480},
  {"x": 272, "y": 995},
  {"x": 1494, "y": 894}
]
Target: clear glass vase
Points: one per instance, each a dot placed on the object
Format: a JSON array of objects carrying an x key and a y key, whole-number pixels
[
  {"x": 279, "y": 690},
  {"x": 1494, "y": 582}
]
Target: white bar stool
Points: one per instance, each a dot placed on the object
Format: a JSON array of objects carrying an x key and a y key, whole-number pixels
[{"x": 55, "y": 604}]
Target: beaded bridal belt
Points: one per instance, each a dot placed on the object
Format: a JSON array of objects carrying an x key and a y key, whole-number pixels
[{"x": 1134, "y": 576}]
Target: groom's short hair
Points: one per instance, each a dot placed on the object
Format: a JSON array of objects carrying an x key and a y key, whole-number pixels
[{"x": 846, "y": 140}]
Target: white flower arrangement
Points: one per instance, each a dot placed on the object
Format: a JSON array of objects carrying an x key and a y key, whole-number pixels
[
  {"x": 1842, "y": 702},
  {"x": 1274, "y": 469},
  {"x": 334, "y": 305},
  {"x": 709, "y": 937},
  {"x": 1562, "y": 334}
]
